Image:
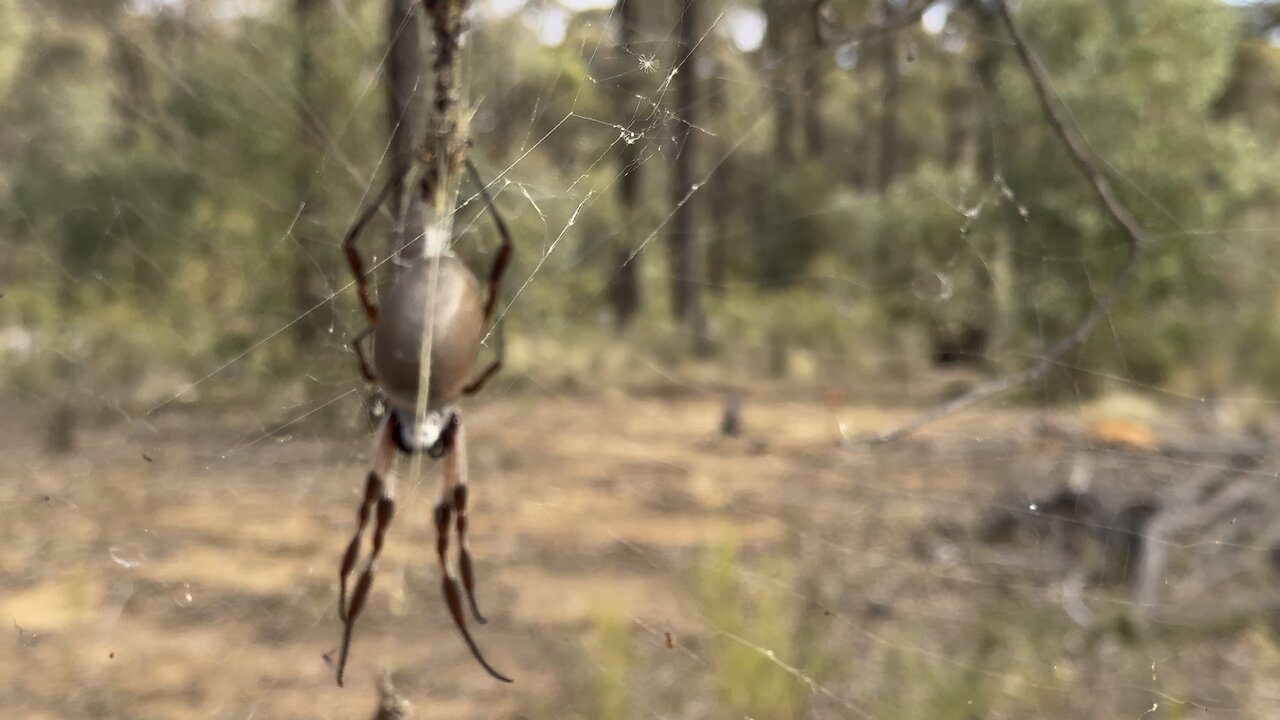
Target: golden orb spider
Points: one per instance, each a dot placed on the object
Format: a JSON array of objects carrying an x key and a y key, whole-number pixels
[{"x": 435, "y": 301}]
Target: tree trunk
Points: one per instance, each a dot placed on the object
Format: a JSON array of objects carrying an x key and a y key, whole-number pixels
[
  {"x": 60, "y": 433},
  {"x": 861, "y": 168},
  {"x": 722, "y": 210},
  {"x": 685, "y": 247},
  {"x": 889, "y": 105},
  {"x": 986, "y": 67},
  {"x": 131, "y": 99},
  {"x": 683, "y": 240},
  {"x": 815, "y": 66},
  {"x": 404, "y": 120},
  {"x": 308, "y": 278},
  {"x": 624, "y": 280},
  {"x": 778, "y": 57}
]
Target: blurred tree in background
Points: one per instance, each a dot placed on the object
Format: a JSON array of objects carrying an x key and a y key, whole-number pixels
[{"x": 176, "y": 177}]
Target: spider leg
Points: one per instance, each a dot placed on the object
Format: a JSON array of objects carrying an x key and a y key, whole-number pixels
[
  {"x": 377, "y": 494},
  {"x": 444, "y": 513},
  {"x": 496, "y": 274},
  {"x": 365, "y": 370},
  {"x": 504, "y": 251},
  {"x": 459, "y": 461},
  {"x": 475, "y": 385},
  {"x": 353, "y": 256},
  {"x": 372, "y": 491}
]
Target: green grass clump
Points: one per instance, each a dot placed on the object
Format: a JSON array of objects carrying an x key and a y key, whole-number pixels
[
  {"x": 765, "y": 661},
  {"x": 609, "y": 646}
]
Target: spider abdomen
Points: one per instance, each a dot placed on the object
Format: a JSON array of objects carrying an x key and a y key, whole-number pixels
[{"x": 444, "y": 291}]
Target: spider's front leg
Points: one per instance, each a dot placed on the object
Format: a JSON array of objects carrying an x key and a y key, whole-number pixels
[
  {"x": 365, "y": 370},
  {"x": 357, "y": 271},
  {"x": 378, "y": 493},
  {"x": 453, "y": 502},
  {"x": 353, "y": 255},
  {"x": 496, "y": 273}
]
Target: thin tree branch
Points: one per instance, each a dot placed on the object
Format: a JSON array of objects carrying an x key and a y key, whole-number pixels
[
  {"x": 1097, "y": 179},
  {"x": 1135, "y": 242}
]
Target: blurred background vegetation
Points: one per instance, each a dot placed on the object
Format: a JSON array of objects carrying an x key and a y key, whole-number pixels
[
  {"x": 719, "y": 195},
  {"x": 176, "y": 178}
]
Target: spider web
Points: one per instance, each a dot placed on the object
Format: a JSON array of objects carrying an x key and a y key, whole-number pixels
[{"x": 1098, "y": 545}]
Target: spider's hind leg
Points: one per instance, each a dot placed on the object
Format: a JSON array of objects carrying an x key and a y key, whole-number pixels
[
  {"x": 378, "y": 492},
  {"x": 458, "y": 456},
  {"x": 453, "y": 502}
]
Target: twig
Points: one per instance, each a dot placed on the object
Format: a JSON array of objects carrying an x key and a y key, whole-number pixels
[{"x": 1135, "y": 242}]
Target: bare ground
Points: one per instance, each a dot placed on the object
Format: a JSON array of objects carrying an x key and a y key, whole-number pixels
[{"x": 180, "y": 568}]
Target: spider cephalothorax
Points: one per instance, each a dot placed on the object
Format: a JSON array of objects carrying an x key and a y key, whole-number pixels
[{"x": 428, "y": 329}]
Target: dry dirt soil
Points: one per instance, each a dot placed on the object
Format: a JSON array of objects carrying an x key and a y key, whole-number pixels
[{"x": 186, "y": 567}]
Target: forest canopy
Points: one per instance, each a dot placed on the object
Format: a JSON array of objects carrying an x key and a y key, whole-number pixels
[{"x": 176, "y": 179}]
